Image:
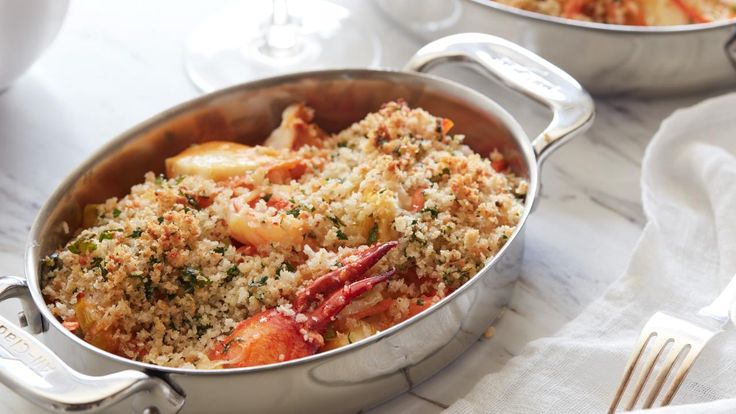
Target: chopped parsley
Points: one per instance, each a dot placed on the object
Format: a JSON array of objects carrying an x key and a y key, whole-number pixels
[
  {"x": 136, "y": 233},
  {"x": 99, "y": 264},
  {"x": 414, "y": 237},
  {"x": 202, "y": 328},
  {"x": 464, "y": 275},
  {"x": 342, "y": 144},
  {"x": 420, "y": 302},
  {"x": 192, "y": 201},
  {"x": 116, "y": 212},
  {"x": 294, "y": 212},
  {"x": 232, "y": 273},
  {"x": 219, "y": 249},
  {"x": 148, "y": 289},
  {"x": 373, "y": 234},
  {"x": 108, "y": 234},
  {"x": 260, "y": 282},
  {"x": 338, "y": 224},
  {"x": 341, "y": 235},
  {"x": 82, "y": 246},
  {"x": 160, "y": 180},
  {"x": 199, "y": 326},
  {"x": 51, "y": 262},
  {"x": 191, "y": 278},
  {"x": 438, "y": 177},
  {"x": 285, "y": 266},
  {"x": 431, "y": 210},
  {"x": 160, "y": 219},
  {"x": 266, "y": 197},
  {"x": 336, "y": 221},
  {"x": 146, "y": 283}
]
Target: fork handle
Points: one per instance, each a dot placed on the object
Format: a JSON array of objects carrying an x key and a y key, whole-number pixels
[{"x": 719, "y": 309}]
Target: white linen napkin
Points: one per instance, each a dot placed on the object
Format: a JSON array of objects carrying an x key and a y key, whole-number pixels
[{"x": 685, "y": 256}]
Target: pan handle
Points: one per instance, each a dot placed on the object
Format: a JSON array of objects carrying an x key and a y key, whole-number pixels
[
  {"x": 522, "y": 71},
  {"x": 731, "y": 48},
  {"x": 32, "y": 370},
  {"x": 16, "y": 287}
]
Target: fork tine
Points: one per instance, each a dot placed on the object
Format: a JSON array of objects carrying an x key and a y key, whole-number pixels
[
  {"x": 641, "y": 344},
  {"x": 654, "y": 354},
  {"x": 682, "y": 372},
  {"x": 665, "y": 370}
]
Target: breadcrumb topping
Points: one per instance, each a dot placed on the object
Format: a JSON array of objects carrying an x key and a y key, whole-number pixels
[{"x": 161, "y": 278}]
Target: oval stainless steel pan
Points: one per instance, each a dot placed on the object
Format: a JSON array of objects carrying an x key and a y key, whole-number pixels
[
  {"x": 606, "y": 59},
  {"x": 59, "y": 371}
]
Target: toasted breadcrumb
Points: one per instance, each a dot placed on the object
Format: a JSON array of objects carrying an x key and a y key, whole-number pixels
[{"x": 163, "y": 280}]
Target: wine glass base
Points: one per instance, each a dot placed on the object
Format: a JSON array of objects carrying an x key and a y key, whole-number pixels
[
  {"x": 230, "y": 46},
  {"x": 425, "y": 17}
]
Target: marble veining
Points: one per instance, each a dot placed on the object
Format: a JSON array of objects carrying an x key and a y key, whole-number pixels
[{"x": 115, "y": 64}]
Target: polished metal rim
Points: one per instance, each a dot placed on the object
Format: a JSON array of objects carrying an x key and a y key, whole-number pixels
[{"x": 607, "y": 28}]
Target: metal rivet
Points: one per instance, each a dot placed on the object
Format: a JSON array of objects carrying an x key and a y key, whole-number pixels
[{"x": 22, "y": 320}]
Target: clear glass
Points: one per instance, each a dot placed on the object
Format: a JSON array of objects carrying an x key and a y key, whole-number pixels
[
  {"x": 423, "y": 16},
  {"x": 254, "y": 39}
]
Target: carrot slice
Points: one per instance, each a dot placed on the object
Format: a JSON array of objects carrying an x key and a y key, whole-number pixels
[
  {"x": 446, "y": 125},
  {"x": 417, "y": 200}
]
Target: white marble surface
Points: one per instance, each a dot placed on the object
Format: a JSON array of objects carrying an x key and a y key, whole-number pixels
[{"x": 116, "y": 63}]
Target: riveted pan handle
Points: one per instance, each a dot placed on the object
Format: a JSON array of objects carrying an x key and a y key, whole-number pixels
[
  {"x": 32, "y": 370},
  {"x": 16, "y": 287},
  {"x": 520, "y": 70}
]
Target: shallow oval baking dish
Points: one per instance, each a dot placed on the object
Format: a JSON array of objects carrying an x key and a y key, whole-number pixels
[
  {"x": 59, "y": 371},
  {"x": 607, "y": 59}
]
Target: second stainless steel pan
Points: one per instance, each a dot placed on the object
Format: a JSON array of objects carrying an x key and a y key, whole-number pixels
[{"x": 606, "y": 59}]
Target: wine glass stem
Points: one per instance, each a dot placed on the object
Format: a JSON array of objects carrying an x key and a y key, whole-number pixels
[{"x": 281, "y": 37}]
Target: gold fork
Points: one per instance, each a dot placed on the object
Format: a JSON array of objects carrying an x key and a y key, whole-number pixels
[{"x": 686, "y": 339}]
